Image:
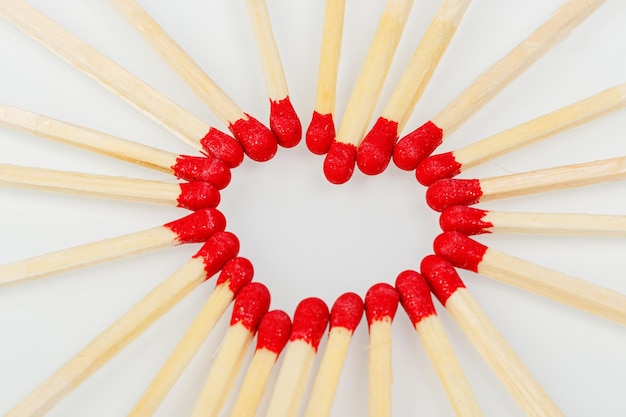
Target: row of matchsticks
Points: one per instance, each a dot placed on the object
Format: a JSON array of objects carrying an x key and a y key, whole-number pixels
[{"x": 204, "y": 176}]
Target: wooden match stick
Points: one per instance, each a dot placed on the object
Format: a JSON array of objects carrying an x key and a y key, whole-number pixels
[
  {"x": 374, "y": 152},
  {"x": 418, "y": 304},
  {"x": 381, "y": 303},
  {"x": 345, "y": 316},
  {"x": 252, "y": 302},
  {"x": 258, "y": 141},
  {"x": 189, "y": 195},
  {"x": 449, "y": 164},
  {"x": 309, "y": 322},
  {"x": 145, "y": 98},
  {"x": 284, "y": 121},
  {"x": 321, "y": 131},
  {"x": 421, "y": 142},
  {"x": 272, "y": 337},
  {"x": 466, "y": 253},
  {"x": 341, "y": 157},
  {"x": 459, "y": 192},
  {"x": 447, "y": 286},
  {"x": 196, "y": 227},
  {"x": 186, "y": 167},
  {"x": 216, "y": 253}
]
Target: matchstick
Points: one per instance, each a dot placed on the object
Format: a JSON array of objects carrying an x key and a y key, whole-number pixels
[
  {"x": 416, "y": 300},
  {"x": 252, "y": 302},
  {"x": 309, "y": 322},
  {"x": 186, "y": 167},
  {"x": 321, "y": 131},
  {"x": 143, "y": 97},
  {"x": 345, "y": 316},
  {"x": 447, "y": 286},
  {"x": 381, "y": 303},
  {"x": 284, "y": 121},
  {"x": 473, "y": 221},
  {"x": 226, "y": 288},
  {"x": 272, "y": 337},
  {"x": 374, "y": 152},
  {"x": 449, "y": 164},
  {"x": 469, "y": 254},
  {"x": 341, "y": 157},
  {"x": 418, "y": 144},
  {"x": 196, "y": 227},
  {"x": 460, "y": 192},
  {"x": 189, "y": 195},
  {"x": 214, "y": 255}
]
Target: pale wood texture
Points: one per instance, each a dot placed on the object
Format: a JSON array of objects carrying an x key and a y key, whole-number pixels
[
  {"x": 184, "y": 351},
  {"x": 380, "y": 372},
  {"x": 371, "y": 78},
  {"x": 500, "y": 74},
  {"x": 448, "y": 368},
  {"x": 111, "y": 341},
  {"x": 500, "y": 355},
  {"x": 254, "y": 383},
  {"x": 568, "y": 224}
]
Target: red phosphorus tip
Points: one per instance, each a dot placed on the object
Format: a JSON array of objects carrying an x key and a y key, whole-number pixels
[
  {"x": 460, "y": 250},
  {"x": 258, "y": 142},
  {"x": 415, "y": 296},
  {"x": 285, "y": 123},
  {"x": 200, "y": 168},
  {"x": 417, "y": 145},
  {"x": 309, "y": 321},
  {"x": 321, "y": 133},
  {"x": 467, "y": 220},
  {"x": 198, "y": 226},
  {"x": 381, "y": 303},
  {"x": 339, "y": 162},
  {"x": 219, "y": 252},
  {"x": 374, "y": 153},
  {"x": 236, "y": 274},
  {"x": 218, "y": 144},
  {"x": 437, "y": 167},
  {"x": 198, "y": 196},
  {"x": 441, "y": 276},
  {"x": 274, "y": 331},
  {"x": 347, "y": 311},
  {"x": 453, "y": 192},
  {"x": 251, "y": 304}
]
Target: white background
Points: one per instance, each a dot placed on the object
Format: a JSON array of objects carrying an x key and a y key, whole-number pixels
[{"x": 305, "y": 236}]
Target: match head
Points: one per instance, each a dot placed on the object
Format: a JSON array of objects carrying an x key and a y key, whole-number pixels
[
  {"x": 381, "y": 303},
  {"x": 237, "y": 273},
  {"x": 258, "y": 142},
  {"x": 437, "y": 167},
  {"x": 251, "y": 303},
  {"x": 309, "y": 321},
  {"x": 198, "y": 226},
  {"x": 218, "y": 144},
  {"x": 274, "y": 330},
  {"x": 339, "y": 162},
  {"x": 219, "y": 252},
  {"x": 460, "y": 250},
  {"x": 467, "y": 220},
  {"x": 204, "y": 169},
  {"x": 441, "y": 276},
  {"x": 285, "y": 123},
  {"x": 374, "y": 153},
  {"x": 453, "y": 192},
  {"x": 347, "y": 311},
  {"x": 417, "y": 145},
  {"x": 197, "y": 196},
  {"x": 321, "y": 133},
  {"x": 415, "y": 296}
]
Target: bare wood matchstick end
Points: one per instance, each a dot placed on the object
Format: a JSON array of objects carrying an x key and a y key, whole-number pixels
[
  {"x": 285, "y": 123},
  {"x": 320, "y": 133},
  {"x": 339, "y": 162},
  {"x": 417, "y": 145},
  {"x": 374, "y": 153}
]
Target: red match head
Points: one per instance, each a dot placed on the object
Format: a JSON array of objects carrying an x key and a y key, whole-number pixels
[
  {"x": 258, "y": 142},
  {"x": 237, "y": 273},
  {"x": 374, "y": 153},
  {"x": 346, "y": 311},
  {"x": 201, "y": 168},
  {"x": 467, "y": 220},
  {"x": 251, "y": 303},
  {"x": 417, "y": 145},
  {"x": 339, "y": 162},
  {"x": 285, "y": 123},
  {"x": 460, "y": 250},
  {"x": 309, "y": 321},
  {"x": 198, "y": 226},
  {"x": 274, "y": 330},
  {"x": 452, "y": 192},
  {"x": 437, "y": 167},
  {"x": 321, "y": 133},
  {"x": 218, "y": 144},
  {"x": 441, "y": 276},
  {"x": 218, "y": 252},
  {"x": 415, "y": 296},
  {"x": 198, "y": 195},
  {"x": 381, "y": 303}
]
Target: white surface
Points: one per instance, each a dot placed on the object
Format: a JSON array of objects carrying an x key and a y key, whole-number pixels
[{"x": 305, "y": 236}]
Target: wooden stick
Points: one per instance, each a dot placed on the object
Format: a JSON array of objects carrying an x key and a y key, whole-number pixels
[
  {"x": 250, "y": 305},
  {"x": 421, "y": 142},
  {"x": 449, "y": 164},
  {"x": 451, "y": 292},
  {"x": 213, "y": 255},
  {"x": 374, "y": 152},
  {"x": 186, "y": 167},
  {"x": 416, "y": 300},
  {"x": 196, "y": 227}
]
